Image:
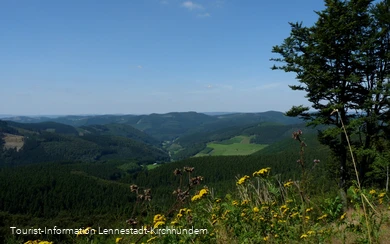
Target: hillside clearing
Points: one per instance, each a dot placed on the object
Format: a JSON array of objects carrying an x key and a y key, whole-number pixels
[
  {"x": 238, "y": 145},
  {"x": 13, "y": 141}
]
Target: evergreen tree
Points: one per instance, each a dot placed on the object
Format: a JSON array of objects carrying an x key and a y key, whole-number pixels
[{"x": 342, "y": 63}]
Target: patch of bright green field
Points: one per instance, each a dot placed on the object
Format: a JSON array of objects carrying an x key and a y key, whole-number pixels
[
  {"x": 238, "y": 145},
  {"x": 152, "y": 166}
]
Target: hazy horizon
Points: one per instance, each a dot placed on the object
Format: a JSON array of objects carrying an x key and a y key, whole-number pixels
[{"x": 120, "y": 114}]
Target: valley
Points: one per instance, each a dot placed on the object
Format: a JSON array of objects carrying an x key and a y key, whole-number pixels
[{"x": 71, "y": 169}]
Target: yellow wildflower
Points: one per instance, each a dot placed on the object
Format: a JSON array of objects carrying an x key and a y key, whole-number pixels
[
  {"x": 151, "y": 239},
  {"x": 244, "y": 202},
  {"x": 158, "y": 217},
  {"x": 304, "y": 236},
  {"x": 323, "y": 216},
  {"x": 288, "y": 184},
  {"x": 382, "y": 195},
  {"x": 194, "y": 198},
  {"x": 200, "y": 194},
  {"x": 203, "y": 192},
  {"x": 256, "y": 209},
  {"x": 235, "y": 203},
  {"x": 158, "y": 223},
  {"x": 309, "y": 210},
  {"x": 118, "y": 239},
  {"x": 372, "y": 192},
  {"x": 311, "y": 232},
  {"x": 343, "y": 216},
  {"x": 266, "y": 238},
  {"x": 242, "y": 180},
  {"x": 262, "y": 171},
  {"x": 182, "y": 210},
  {"x": 174, "y": 222}
]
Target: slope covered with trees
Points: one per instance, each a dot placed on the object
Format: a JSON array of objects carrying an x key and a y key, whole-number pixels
[{"x": 53, "y": 142}]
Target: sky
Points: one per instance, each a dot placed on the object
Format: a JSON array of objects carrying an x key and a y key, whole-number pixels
[{"x": 146, "y": 56}]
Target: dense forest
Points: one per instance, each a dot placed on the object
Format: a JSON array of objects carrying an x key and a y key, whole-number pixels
[
  {"x": 67, "y": 192},
  {"x": 52, "y": 142}
]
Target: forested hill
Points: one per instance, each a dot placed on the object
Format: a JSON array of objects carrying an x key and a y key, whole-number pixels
[
  {"x": 123, "y": 130},
  {"x": 168, "y": 126},
  {"x": 55, "y": 142}
]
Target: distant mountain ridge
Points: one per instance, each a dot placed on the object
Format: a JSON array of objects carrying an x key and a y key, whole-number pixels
[{"x": 170, "y": 125}]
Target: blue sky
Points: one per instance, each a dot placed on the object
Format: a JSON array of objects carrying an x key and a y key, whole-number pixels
[{"x": 144, "y": 56}]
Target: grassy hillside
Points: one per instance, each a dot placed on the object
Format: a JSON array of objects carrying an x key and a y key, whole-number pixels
[
  {"x": 238, "y": 145},
  {"x": 203, "y": 143}
]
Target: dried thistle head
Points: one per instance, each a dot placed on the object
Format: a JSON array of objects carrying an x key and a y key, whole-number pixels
[
  {"x": 147, "y": 192},
  {"x": 177, "y": 172},
  {"x": 133, "y": 188},
  {"x": 189, "y": 169},
  {"x": 183, "y": 195},
  {"x": 132, "y": 222},
  {"x": 296, "y": 135},
  {"x": 196, "y": 180},
  {"x": 148, "y": 198},
  {"x": 178, "y": 191}
]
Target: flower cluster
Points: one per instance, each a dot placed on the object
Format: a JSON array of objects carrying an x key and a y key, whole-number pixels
[
  {"x": 242, "y": 180},
  {"x": 158, "y": 220},
  {"x": 262, "y": 172},
  {"x": 288, "y": 184},
  {"x": 201, "y": 193}
]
